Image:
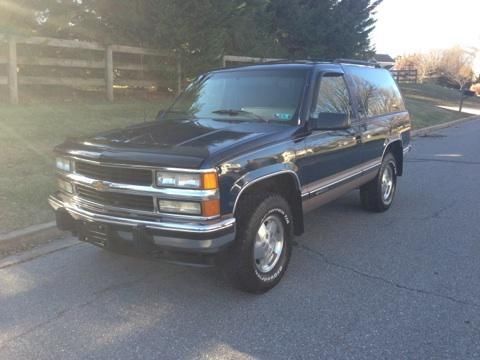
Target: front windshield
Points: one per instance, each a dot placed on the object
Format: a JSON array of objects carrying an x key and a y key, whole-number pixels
[{"x": 243, "y": 95}]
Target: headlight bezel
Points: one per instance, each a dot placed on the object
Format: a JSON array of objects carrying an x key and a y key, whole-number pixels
[
  {"x": 65, "y": 186},
  {"x": 63, "y": 164},
  {"x": 178, "y": 180},
  {"x": 169, "y": 206},
  {"x": 185, "y": 184},
  {"x": 186, "y": 180}
]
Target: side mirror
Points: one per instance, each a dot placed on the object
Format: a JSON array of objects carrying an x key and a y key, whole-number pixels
[{"x": 330, "y": 121}]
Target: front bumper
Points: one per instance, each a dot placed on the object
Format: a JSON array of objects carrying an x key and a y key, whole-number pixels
[{"x": 196, "y": 237}]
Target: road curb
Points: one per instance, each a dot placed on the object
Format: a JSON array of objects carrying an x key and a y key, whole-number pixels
[
  {"x": 425, "y": 131},
  {"x": 28, "y": 237}
]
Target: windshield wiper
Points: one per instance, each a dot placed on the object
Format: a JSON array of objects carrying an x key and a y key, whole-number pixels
[{"x": 236, "y": 112}]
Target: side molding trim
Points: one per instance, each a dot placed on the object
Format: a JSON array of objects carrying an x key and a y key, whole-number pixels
[{"x": 340, "y": 180}]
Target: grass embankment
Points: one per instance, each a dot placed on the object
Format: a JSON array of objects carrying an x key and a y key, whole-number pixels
[
  {"x": 29, "y": 132},
  {"x": 423, "y": 101}
]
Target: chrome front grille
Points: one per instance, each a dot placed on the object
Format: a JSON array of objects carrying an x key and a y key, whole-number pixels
[
  {"x": 118, "y": 200},
  {"x": 130, "y": 190},
  {"x": 114, "y": 174}
]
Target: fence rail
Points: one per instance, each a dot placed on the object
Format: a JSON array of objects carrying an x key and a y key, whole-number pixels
[
  {"x": 12, "y": 62},
  {"x": 405, "y": 76}
]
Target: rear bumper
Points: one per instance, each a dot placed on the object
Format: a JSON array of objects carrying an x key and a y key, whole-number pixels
[{"x": 197, "y": 237}]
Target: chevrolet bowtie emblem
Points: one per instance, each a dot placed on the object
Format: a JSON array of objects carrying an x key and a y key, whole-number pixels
[{"x": 100, "y": 185}]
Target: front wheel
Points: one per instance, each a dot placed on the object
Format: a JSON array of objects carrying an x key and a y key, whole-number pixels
[
  {"x": 262, "y": 250},
  {"x": 378, "y": 194}
]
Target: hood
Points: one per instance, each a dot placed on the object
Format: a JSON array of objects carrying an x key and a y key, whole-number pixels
[{"x": 183, "y": 144}]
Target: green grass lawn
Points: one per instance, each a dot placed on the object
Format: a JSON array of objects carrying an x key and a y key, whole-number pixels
[
  {"x": 27, "y": 136},
  {"x": 422, "y": 101},
  {"x": 29, "y": 132}
]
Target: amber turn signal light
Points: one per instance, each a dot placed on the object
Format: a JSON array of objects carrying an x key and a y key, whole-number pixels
[
  {"x": 211, "y": 208},
  {"x": 210, "y": 181}
]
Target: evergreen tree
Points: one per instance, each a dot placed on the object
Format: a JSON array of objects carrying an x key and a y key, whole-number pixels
[
  {"x": 201, "y": 31},
  {"x": 323, "y": 28}
]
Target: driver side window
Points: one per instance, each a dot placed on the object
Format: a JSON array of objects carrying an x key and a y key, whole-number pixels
[{"x": 332, "y": 98}]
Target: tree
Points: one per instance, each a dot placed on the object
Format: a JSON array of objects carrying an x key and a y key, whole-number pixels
[
  {"x": 201, "y": 31},
  {"x": 197, "y": 30},
  {"x": 16, "y": 17},
  {"x": 61, "y": 18},
  {"x": 456, "y": 66},
  {"x": 352, "y": 21},
  {"x": 453, "y": 67},
  {"x": 323, "y": 28},
  {"x": 251, "y": 33},
  {"x": 426, "y": 64}
]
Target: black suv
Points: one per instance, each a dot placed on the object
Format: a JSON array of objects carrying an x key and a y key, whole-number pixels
[{"x": 232, "y": 166}]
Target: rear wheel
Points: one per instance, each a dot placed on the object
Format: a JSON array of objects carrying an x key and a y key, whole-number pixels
[
  {"x": 262, "y": 250},
  {"x": 378, "y": 194}
]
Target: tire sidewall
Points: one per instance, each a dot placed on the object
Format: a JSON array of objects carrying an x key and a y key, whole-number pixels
[
  {"x": 276, "y": 273},
  {"x": 389, "y": 161},
  {"x": 241, "y": 267}
]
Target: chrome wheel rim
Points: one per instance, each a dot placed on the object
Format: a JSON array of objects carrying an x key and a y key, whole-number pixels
[
  {"x": 387, "y": 183},
  {"x": 269, "y": 243}
]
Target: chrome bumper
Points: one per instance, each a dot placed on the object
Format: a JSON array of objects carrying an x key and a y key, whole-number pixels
[{"x": 195, "y": 236}]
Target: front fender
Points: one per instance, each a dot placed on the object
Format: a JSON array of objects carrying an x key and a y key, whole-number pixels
[{"x": 258, "y": 175}]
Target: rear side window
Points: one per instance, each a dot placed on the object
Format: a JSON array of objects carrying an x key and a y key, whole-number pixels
[
  {"x": 377, "y": 92},
  {"x": 332, "y": 96}
]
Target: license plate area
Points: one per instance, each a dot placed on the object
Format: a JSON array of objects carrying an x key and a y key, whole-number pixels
[{"x": 95, "y": 233}]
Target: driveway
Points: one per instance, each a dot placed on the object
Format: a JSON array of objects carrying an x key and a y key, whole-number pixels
[
  {"x": 399, "y": 285},
  {"x": 465, "y": 110}
]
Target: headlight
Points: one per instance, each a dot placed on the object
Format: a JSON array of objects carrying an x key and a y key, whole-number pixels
[
  {"x": 64, "y": 164},
  {"x": 65, "y": 186},
  {"x": 170, "y": 179},
  {"x": 180, "y": 207},
  {"x": 205, "y": 181}
]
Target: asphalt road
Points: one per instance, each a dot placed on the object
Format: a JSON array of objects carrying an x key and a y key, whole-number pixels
[{"x": 399, "y": 285}]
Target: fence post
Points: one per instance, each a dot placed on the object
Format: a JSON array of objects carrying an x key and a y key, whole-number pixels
[
  {"x": 179, "y": 74},
  {"x": 12, "y": 70},
  {"x": 109, "y": 72}
]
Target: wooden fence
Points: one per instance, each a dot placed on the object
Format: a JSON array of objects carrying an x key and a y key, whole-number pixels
[
  {"x": 405, "y": 76},
  {"x": 15, "y": 63}
]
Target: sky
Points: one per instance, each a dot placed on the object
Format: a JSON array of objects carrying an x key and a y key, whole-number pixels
[{"x": 407, "y": 26}]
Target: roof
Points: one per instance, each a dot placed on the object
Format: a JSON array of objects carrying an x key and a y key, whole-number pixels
[{"x": 383, "y": 58}]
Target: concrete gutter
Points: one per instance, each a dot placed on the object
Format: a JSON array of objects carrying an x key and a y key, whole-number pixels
[
  {"x": 44, "y": 233},
  {"x": 427, "y": 130},
  {"x": 25, "y": 238}
]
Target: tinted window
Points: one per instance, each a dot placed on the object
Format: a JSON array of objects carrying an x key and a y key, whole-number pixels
[
  {"x": 333, "y": 97},
  {"x": 378, "y": 93},
  {"x": 253, "y": 95}
]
